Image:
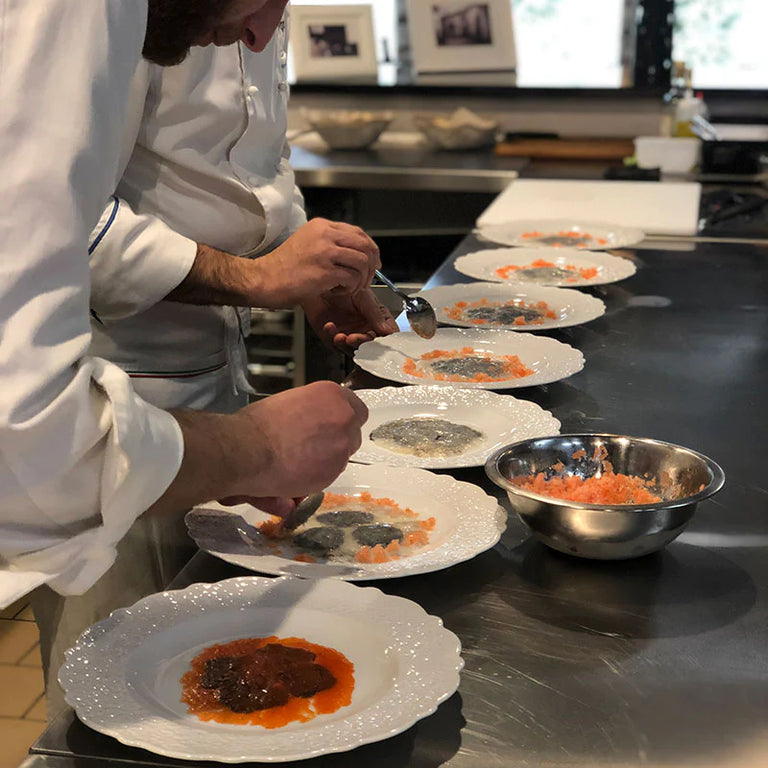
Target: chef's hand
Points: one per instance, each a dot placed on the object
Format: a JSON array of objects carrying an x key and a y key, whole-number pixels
[
  {"x": 272, "y": 505},
  {"x": 320, "y": 257},
  {"x": 348, "y": 320},
  {"x": 295, "y": 443}
]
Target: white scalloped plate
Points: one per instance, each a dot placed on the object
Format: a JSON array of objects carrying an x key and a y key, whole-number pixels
[
  {"x": 501, "y": 419},
  {"x": 122, "y": 676},
  {"x": 482, "y": 265},
  {"x": 570, "y": 307},
  {"x": 551, "y": 360},
  {"x": 467, "y": 521},
  {"x": 588, "y": 235}
]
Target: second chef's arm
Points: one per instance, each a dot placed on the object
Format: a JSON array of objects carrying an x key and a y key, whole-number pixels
[{"x": 136, "y": 261}]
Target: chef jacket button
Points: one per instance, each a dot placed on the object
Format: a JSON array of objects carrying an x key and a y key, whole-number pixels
[
  {"x": 281, "y": 25},
  {"x": 282, "y": 86},
  {"x": 253, "y": 90},
  {"x": 283, "y": 57}
]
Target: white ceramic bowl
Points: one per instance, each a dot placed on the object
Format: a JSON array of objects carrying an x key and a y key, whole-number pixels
[
  {"x": 348, "y": 129},
  {"x": 450, "y": 132}
]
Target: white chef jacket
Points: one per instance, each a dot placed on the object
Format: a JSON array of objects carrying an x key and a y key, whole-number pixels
[
  {"x": 81, "y": 456},
  {"x": 209, "y": 164}
]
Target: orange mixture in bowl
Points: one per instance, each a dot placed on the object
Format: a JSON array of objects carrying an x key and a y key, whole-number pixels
[{"x": 608, "y": 488}]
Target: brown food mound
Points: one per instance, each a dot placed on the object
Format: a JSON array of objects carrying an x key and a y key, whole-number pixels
[{"x": 267, "y": 677}]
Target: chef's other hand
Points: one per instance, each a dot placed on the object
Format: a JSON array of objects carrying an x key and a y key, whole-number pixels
[
  {"x": 296, "y": 442},
  {"x": 347, "y": 321},
  {"x": 319, "y": 257}
]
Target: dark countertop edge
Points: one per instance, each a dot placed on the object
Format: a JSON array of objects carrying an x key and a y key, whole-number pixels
[
  {"x": 719, "y": 96},
  {"x": 373, "y": 89}
]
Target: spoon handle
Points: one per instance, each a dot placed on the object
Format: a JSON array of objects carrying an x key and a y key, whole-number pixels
[{"x": 389, "y": 283}]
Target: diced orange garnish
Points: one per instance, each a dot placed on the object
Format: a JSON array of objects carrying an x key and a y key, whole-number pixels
[
  {"x": 413, "y": 538},
  {"x": 608, "y": 488}
]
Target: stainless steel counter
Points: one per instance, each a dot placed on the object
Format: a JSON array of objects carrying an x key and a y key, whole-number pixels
[
  {"x": 410, "y": 168},
  {"x": 660, "y": 661}
]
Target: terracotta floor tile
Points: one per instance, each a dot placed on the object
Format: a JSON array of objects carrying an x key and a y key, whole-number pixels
[
  {"x": 38, "y": 711},
  {"x": 16, "y": 736},
  {"x": 20, "y": 688},
  {"x": 32, "y": 658},
  {"x": 14, "y": 608},
  {"x": 25, "y": 614},
  {"x": 17, "y": 638}
]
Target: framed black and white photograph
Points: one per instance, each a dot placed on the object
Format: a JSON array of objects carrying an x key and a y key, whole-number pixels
[
  {"x": 333, "y": 42},
  {"x": 461, "y": 36}
]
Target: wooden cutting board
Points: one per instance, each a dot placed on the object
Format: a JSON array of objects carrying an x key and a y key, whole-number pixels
[{"x": 568, "y": 149}]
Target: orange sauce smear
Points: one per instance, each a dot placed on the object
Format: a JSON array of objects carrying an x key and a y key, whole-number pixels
[
  {"x": 457, "y": 311},
  {"x": 513, "y": 367},
  {"x": 609, "y": 488},
  {"x": 587, "y": 273},
  {"x": 205, "y": 705}
]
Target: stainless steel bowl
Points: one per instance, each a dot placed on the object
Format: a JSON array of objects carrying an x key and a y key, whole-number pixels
[{"x": 681, "y": 477}]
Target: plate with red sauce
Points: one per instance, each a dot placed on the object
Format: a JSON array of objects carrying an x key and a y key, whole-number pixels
[
  {"x": 391, "y": 662},
  {"x": 376, "y": 522},
  {"x": 532, "y": 267},
  {"x": 562, "y": 233},
  {"x": 470, "y": 358},
  {"x": 514, "y": 308}
]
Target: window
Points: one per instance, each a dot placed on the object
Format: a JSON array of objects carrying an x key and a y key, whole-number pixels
[
  {"x": 569, "y": 43},
  {"x": 723, "y": 41}
]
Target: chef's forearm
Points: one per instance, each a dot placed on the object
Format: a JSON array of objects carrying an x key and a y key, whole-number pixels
[
  {"x": 217, "y": 459},
  {"x": 220, "y": 279}
]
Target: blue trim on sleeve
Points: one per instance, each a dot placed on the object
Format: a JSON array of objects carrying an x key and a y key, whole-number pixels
[{"x": 105, "y": 228}]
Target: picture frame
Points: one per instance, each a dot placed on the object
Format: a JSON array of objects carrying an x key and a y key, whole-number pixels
[
  {"x": 461, "y": 36},
  {"x": 333, "y": 42}
]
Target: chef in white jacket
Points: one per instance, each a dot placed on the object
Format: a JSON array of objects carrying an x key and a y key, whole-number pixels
[
  {"x": 216, "y": 172},
  {"x": 81, "y": 455},
  {"x": 207, "y": 162}
]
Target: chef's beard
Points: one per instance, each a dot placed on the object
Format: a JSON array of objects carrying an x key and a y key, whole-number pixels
[{"x": 173, "y": 26}]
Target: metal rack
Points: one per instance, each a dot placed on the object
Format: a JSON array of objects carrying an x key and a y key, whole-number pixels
[{"x": 275, "y": 349}]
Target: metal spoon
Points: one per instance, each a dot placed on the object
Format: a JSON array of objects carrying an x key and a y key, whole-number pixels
[
  {"x": 421, "y": 317},
  {"x": 307, "y": 507},
  {"x": 303, "y": 511}
]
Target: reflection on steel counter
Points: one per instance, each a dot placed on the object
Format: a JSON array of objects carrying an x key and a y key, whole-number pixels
[{"x": 653, "y": 662}]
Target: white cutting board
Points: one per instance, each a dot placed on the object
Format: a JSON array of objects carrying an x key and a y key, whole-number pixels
[{"x": 658, "y": 208}]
